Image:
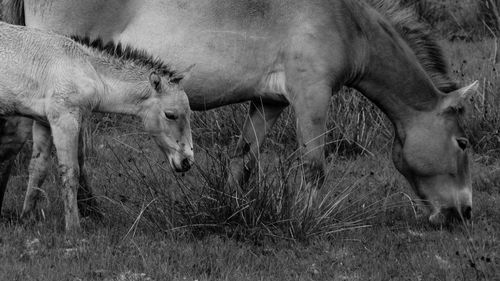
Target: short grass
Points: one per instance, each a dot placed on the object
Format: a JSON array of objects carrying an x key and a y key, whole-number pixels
[{"x": 160, "y": 226}]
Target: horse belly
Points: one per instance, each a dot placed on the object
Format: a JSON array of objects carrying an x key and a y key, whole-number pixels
[{"x": 94, "y": 18}]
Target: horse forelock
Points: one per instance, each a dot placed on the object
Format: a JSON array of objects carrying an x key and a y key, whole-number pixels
[
  {"x": 417, "y": 36},
  {"x": 127, "y": 53}
]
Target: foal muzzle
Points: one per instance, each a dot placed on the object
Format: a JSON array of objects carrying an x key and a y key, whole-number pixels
[{"x": 182, "y": 163}]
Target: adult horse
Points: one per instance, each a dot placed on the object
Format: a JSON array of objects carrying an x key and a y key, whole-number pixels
[{"x": 276, "y": 53}]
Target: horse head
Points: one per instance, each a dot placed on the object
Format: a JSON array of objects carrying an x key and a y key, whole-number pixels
[
  {"x": 166, "y": 116},
  {"x": 432, "y": 154}
]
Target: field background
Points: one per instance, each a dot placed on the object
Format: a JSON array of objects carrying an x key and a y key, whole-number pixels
[{"x": 157, "y": 225}]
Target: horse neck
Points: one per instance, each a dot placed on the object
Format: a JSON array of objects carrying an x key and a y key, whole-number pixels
[
  {"x": 124, "y": 85},
  {"x": 392, "y": 78},
  {"x": 121, "y": 96}
]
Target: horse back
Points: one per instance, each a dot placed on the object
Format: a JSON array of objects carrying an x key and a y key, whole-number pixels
[{"x": 240, "y": 47}]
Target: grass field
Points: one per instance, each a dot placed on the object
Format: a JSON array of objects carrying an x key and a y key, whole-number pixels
[{"x": 160, "y": 226}]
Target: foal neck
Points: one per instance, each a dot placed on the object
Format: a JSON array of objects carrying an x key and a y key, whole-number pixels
[
  {"x": 124, "y": 97},
  {"x": 124, "y": 75}
]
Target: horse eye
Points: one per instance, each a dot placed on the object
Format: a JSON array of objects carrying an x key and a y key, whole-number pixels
[
  {"x": 171, "y": 116},
  {"x": 463, "y": 143}
]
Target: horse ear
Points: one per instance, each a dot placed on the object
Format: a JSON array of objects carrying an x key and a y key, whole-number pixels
[
  {"x": 458, "y": 99},
  {"x": 181, "y": 77},
  {"x": 155, "y": 81}
]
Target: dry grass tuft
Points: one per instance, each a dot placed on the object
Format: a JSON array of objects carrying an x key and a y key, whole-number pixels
[{"x": 273, "y": 204}]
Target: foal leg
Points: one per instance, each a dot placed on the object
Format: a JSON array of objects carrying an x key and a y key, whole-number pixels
[
  {"x": 65, "y": 130},
  {"x": 14, "y": 131},
  {"x": 38, "y": 168},
  {"x": 260, "y": 119},
  {"x": 86, "y": 201}
]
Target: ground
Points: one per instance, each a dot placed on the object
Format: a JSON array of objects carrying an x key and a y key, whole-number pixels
[{"x": 160, "y": 226}]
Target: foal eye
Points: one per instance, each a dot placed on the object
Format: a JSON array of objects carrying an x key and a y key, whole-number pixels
[
  {"x": 170, "y": 116},
  {"x": 463, "y": 143}
]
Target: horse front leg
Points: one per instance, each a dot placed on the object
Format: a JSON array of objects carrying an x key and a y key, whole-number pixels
[
  {"x": 38, "y": 168},
  {"x": 65, "y": 132},
  {"x": 14, "y": 131},
  {"x": 311, "y": 106},
  {"x": 261, "y": 118},
  {"x": 311, "y": 115},
  {"x": 311, "y": 78}
]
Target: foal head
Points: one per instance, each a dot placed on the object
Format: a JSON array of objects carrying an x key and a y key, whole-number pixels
[
  {"x": 433, "y": 155},
  {"x": 166, "y": 115}
]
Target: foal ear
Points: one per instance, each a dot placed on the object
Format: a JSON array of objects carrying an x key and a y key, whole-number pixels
[
  {"x": 458, "y": 99},
  {"x": 155, "y": 81},
  {"x": 181, "y": 77}
]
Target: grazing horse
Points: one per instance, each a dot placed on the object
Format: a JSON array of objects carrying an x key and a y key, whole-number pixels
[
  {"x": 277, "y": 53},
  {"x": 57, "y": 82}
]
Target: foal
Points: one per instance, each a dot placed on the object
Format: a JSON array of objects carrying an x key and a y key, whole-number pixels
[{"x": 58, "y": 81}]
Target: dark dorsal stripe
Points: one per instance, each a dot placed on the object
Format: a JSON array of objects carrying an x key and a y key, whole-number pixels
[
  {"x": 126, "y": 52},
  {"x": 417, "y": 36}
]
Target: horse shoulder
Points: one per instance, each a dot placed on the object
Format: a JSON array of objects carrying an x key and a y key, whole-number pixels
[{"x": 72, "y": 91}]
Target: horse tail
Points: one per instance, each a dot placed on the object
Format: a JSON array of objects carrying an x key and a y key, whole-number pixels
[{"x": 13, "y": 11}]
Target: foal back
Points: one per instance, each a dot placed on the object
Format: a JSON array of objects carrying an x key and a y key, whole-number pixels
[{"x": 35, "y": 66}]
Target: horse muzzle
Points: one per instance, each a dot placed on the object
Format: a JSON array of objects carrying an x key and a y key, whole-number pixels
[{"x": 183, "y": 165}]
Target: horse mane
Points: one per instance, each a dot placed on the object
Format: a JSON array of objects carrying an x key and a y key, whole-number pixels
[
  {"x": 127, "y": 53},
  {"x": 418, "y": 37}
]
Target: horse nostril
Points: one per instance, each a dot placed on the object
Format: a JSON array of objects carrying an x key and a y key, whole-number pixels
[
  {"x": 467, "y": 212},
  {"x": 186, "y": 164}
]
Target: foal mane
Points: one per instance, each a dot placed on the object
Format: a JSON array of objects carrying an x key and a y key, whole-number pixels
[
  {"x": 418, "y": 37},
  {"x": 126, "y": 53}
]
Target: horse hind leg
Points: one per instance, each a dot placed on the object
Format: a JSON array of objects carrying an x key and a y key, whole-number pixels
[
  {"x": 38, "y": 168},
  {"x": 14, "y": 131},
  {"x": 261, "y": 118}
]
